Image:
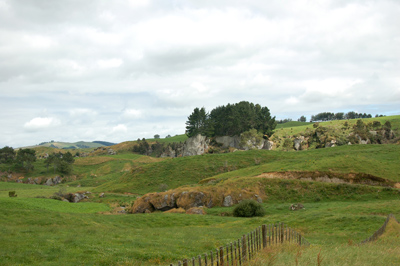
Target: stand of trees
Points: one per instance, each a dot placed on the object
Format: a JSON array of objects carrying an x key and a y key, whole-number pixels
[
  {"x": 61, "y": 162},
  {"x": 230, "y": 120},
  {"x": 22, "y": 159},
  {"x": 327, "y": 116}
]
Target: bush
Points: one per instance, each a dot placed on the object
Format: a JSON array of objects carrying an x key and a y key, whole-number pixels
[{"x": 248, "y": 208}]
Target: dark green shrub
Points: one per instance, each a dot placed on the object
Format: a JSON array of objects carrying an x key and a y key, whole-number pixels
[{"x": 248, "y": 208}]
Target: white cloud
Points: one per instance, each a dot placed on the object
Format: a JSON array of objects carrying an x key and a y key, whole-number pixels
[
  {"x": 105, "y": 65},
  {"x": 132, "y": 113},
  {"x": 119, "y": 129},
  {"x": 39, "y": 123},
  {"x": 109, "y": 63}
]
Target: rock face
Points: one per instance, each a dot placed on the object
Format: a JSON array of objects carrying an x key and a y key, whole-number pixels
[
  {"x": 268, "y": 145},
  {"x": 196, "y": 145},
  {"x": 297, "y": 143},
  {"x": 228, "y": 142},
  {"x": 252, "y": 145},
  {"x": 169, "y": 152}
]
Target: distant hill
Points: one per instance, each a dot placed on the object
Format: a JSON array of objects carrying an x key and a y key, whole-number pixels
[
  {"x": 105, "y": 143},
  {"x": 74, "y": 145}
]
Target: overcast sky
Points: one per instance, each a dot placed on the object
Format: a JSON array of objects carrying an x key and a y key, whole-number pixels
[{"x": 74, "y": 70}]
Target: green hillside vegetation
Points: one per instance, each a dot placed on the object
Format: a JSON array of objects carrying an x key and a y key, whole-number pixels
[
  {"x": 38, "y": 230},
  {"x": 293, "y": 124}
]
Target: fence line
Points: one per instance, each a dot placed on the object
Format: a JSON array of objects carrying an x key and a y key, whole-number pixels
[
  {"x": 243, "y": 249},
  {"x": 380, "y": 231}
]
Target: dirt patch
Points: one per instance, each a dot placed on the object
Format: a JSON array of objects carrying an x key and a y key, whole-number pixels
[{"x": 333, "y": 177}]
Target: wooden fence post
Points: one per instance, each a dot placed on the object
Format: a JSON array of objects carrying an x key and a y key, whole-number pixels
[
  {"x": 212, "y": 259},
  {"x": 217, "y": 257},
  {"x": 205, "y": 259},
  {"x": 264, "y": 235},
  {"x": 244, "y": 248},
  {"x": 179, "y": 263},
  {"x": 227, "y": 255},
  {"x": 240, "y": 253},
  {"x": 221, "y": 256},
  {"x": 185, "y": 262}
]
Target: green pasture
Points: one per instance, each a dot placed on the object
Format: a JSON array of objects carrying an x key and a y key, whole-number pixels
[{"x": 39, "y": 231}]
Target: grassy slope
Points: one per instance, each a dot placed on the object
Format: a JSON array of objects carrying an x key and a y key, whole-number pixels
[{"x": 378, "y": 160}]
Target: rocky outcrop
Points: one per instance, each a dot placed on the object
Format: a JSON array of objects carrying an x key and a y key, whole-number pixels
[
  {"x": 166, "y": 201},
  {"x": 53, "y": 181},
  {"x": 268, "y": 145},
  {"x": 169, "y": 152},
  {"x": 196, "y": 145},
  {"x": 228, "y": 142}
]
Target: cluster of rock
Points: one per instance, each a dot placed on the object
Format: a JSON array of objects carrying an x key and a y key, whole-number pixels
[
  {"x": 53, "y": 181},
  {"x": 295, "y": 207},
  {"x": 109, "y": 151},
  {"x": 166, "y": 201},
  {"x": 199, "y": 144},
  {"x": 75, "y": 197}
]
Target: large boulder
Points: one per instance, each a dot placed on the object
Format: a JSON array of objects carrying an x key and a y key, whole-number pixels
[
  {"x": 196, "y": 145},
  {"x": 192, "y": 199},
  {"x": 163, "y": 201},
  {"x": 227, "y": 201},
  {"x": 143, "y": 204}
]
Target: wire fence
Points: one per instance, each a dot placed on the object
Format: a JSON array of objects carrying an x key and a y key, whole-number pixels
[
  {"x": 245, "y": 248},
  {"x": 380, "y": 231}
]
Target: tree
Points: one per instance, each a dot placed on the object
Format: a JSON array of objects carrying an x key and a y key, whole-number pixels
[
  {"x": 61, "y": 162},
  {"x": 302, "y": 119},
  {"x": 198, "y": 123},
  {"x": 7, "y": 155},
  {"x": 25, "y": 158},
  {"x": 156, "y": 136}
]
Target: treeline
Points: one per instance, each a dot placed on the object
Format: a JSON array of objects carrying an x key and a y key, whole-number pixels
[
  {"x": 327, "y": 116},
  {"x": 230, "y": 120},
  {"x": 23, "y": 159}
]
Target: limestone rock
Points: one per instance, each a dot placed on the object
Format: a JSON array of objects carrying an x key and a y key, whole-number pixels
[
  {"x": 143, "y": 204},
  {"x": 163, "y": 202},
  {"x": 227, "y": 201},
  {"x": 268, "y": 145},
  {"x": 228, "y": 142},
  {"x": 196, "y": 210},
  {"x": 49, "y": 182},
  {"x": 188, "y": 200},
  {"x": 79, "y": 196},
  {"x": 196, "y": 145},
  {"x": 258, "y": 198},
  {"x": 295, "y": 207},
  {"x": 57, "y": 180}
]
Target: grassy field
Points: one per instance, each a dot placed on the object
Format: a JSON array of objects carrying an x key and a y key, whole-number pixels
[{"x": 49, "y": 232}]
